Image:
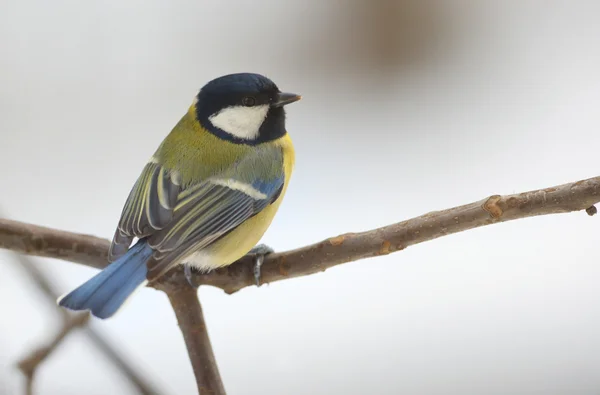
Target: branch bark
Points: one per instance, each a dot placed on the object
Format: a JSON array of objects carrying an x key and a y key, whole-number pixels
[
  {"x": 92, "y": 251},
  {"x": 188, "y": 310}
]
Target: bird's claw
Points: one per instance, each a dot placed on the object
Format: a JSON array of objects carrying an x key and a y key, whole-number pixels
[
  {"x": 260, "y": 251},
  {"x": 189, "y": 276}
]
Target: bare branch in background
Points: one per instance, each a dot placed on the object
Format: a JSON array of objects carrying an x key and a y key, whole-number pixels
[
  {"x": 92, "y": 251},
  {"x": 29, "y": 364}
]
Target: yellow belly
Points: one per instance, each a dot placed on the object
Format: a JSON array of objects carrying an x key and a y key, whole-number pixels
[{"x": 241, "y": 240}]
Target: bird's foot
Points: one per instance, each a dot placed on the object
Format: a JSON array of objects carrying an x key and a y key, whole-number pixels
[
  {"x": 260, "y": 251},
  {"x": 189, "y": 276}
]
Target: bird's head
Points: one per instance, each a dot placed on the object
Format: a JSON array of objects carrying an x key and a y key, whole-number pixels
[{"x": 243, "y": 108}]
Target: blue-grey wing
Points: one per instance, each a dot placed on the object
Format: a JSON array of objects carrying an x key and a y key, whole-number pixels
[
  {"x": 149, "y": 207},
  {"x": 207, "y": 211}
]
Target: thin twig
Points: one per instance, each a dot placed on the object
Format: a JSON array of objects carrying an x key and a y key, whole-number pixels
[
  {"x": 29, "y": 386},
  {"x": 92, "y": 251},
  {"x": 30, "y": 364},
  {"x": 142, "y": 384},
  {"x": 44, "y": 284},
  {"x": 187, "y": 308}
]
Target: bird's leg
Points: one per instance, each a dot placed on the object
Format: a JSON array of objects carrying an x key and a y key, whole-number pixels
[
  {"x": 189, "y": 275},
  {"x": 260, "y": 251}
]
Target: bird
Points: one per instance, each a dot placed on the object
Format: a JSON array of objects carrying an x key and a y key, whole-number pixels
[{"x": 206, "y": 196}]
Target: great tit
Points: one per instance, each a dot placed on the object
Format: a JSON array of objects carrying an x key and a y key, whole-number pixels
[{"x": 206, "y": 196}]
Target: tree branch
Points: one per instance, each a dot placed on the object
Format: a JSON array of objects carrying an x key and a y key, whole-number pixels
[
  {"x": 187, "y": 308},
  {"x": 141, "y": 384},
  {"x": 30, "y": 364},
  {"x": 92, "y": 251},
  {"x": 52, "y": 243}
]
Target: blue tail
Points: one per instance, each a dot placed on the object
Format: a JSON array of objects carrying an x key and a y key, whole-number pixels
[{"x": 106, "y": 292}]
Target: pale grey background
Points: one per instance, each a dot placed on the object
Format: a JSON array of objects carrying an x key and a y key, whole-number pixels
[{"x": 503, "y": 99}]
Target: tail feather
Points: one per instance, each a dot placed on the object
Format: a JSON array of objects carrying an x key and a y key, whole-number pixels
[{"x": 106, "y": 292}]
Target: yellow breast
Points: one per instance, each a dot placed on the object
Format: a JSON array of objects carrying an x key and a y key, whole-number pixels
[{"x": 241, "y": 240}]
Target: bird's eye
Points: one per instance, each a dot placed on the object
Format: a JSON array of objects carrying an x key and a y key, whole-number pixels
[{"x": 248, "y": 101}]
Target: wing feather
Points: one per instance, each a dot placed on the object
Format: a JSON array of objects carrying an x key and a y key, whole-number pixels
[
  {"x": 203, "y": 228},
  {"x": 178, "y": 221},
  {"x": 148, "y": 208}
]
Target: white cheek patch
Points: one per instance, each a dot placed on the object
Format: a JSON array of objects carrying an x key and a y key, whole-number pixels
[{"x": 239, "y": 121}]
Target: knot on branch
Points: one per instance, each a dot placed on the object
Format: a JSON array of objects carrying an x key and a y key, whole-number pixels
[
  {"x": 592, "y": 210},
  {"x": 492, "y": 207}
]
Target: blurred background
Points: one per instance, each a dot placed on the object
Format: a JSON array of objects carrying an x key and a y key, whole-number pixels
[{"x": 409, "y": 106}]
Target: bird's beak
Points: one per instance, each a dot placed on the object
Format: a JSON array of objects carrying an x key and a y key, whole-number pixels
[{"x": 283, "y": 98}]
